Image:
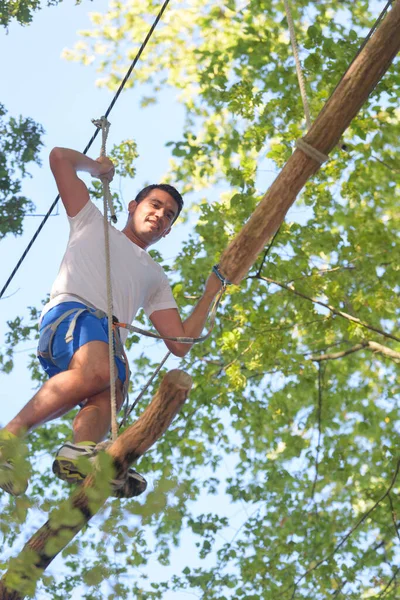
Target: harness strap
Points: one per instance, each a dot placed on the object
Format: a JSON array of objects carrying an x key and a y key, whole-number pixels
[
  {"x": 53, "y": 327},
  {"x": 99, "y": 314},
  {"x": 69, "y": 336}
]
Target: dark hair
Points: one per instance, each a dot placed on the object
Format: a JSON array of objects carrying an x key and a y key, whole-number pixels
[{"x": 165, "y": 188}]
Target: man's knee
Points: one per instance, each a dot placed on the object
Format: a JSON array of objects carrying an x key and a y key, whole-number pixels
[{"x": 102, "y": 400}]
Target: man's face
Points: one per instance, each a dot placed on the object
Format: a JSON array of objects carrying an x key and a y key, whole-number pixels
[{"x": 152, "y": 218}]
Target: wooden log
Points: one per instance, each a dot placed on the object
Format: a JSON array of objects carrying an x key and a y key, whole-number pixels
[
  {"x": 59, "y": 530},
  {"x": 344, "y": 104}
]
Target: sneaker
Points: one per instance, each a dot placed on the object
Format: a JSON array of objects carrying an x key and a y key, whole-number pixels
[
  {"x": 68, "y": 465},
  {"x": 133, "y": 485},
  {"x": 13, "y": 468},
  {"x": 68, "y": 462}
]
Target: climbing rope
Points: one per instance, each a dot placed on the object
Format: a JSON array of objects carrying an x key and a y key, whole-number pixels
[
  {"x": 299, "y": 70},
  {"x": 104, "y": 125},
  {"x": 106, "y": 114}
]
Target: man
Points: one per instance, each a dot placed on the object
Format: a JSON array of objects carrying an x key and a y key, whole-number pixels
[{"x": 73, "y": 345}]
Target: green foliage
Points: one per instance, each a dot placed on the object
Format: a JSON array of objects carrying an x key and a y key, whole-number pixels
[
  {"x": 20, "y": 144},
  {"x": 22, "y": 10},
  {"x": 312, "y": 452}
]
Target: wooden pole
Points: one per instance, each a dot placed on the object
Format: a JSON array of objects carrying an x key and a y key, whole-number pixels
[
  {"x": 344, "y": 104},
  {"x": 85, "y": 502}
]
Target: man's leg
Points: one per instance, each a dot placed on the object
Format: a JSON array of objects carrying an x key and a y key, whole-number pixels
[
  {"x": 93, "y": 421},
  {"x": 88, "y": 375},
  {"x": 92, "y": 424}
]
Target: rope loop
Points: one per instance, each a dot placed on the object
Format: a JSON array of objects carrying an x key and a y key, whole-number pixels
[
  {"x": 312, "y": 152},
  {"x": 104, "y": 124}
]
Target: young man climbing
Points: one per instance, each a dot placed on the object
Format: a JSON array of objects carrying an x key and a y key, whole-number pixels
[{"x": 73, "y": 344}]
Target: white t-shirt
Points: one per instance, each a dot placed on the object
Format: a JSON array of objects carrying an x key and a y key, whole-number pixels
[{"x": 137, "y": 280}]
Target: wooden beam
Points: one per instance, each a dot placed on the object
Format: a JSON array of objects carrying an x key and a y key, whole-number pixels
[
  {"x": 344, "y": 104},
  {"x": 86, "y": 501}
]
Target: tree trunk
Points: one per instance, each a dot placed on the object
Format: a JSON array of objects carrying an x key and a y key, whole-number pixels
[
  {"x": 63, "y": 525},
  {"x": 344, "y": 104}
]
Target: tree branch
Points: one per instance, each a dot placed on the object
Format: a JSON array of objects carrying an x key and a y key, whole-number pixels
[
  {"x": 349, "y": 533},
  {"x": 374, "y": 346},
  {"x": 393, "y": 578},
  {"x": 394, "y": 516},
  {"x": 319, "y": 413},
  {"x": 266, "y": 252},
  {"x": 336, "y": 355},
  {"x": 332, "y": 309}
]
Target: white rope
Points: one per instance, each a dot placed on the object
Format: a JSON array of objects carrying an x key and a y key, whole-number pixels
[
  {"x": 298, "y": 64},
  {"x": 104, "y": 125},
  {"x": 107, "y": 203},
  {"x": 311, "y": 151}
]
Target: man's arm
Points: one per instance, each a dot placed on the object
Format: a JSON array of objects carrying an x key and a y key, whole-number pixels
[
  {"x": 65, "y": 164},
  {"x": 169, "y": 323}
]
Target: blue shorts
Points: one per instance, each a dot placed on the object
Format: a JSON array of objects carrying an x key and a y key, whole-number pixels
[{"x": 88, "y": 328}]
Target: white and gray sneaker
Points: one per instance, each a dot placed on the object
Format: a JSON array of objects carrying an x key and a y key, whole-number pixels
[{"x": 68, "y": 465}]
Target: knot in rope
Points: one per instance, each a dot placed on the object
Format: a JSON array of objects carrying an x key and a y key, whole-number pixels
[{"x": 104, "y": 124}]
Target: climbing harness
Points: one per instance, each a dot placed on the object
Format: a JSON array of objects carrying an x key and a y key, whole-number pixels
[{"x": 48, "y": 333}]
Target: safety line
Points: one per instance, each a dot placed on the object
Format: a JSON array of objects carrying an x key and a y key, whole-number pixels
[
  {"x": 104, "y": 125},
  {"x": 109, "y": 109},
  {"x": 299, "y": 71}
]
